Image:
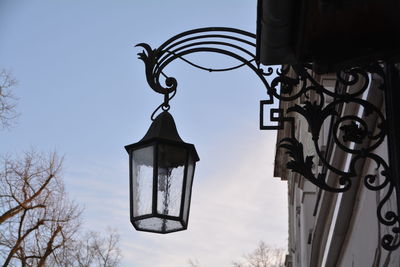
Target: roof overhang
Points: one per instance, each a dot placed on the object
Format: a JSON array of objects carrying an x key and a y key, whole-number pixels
[{"x": 326, "y": 32}]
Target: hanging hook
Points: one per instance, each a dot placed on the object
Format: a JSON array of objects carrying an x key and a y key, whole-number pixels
[{"x": 165, "y": 105}]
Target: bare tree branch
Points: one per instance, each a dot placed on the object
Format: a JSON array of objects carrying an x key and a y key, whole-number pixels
[
  {"x": 21, "y": 238},
  {"x": 40, "y": 226},
  {"x": 50, "y": 247},
  {"x": 7, "y": 100},
  {"x": 263, "y": 256},
  {"x": 193, "y": 263},
  {"x": 34, "y": 209},
  {"x": 19, "y": 176},
  {"x": 106, "y": 250}
]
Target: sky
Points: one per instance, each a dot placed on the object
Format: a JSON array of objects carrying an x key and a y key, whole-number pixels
[{"x": 82, "y": 92}]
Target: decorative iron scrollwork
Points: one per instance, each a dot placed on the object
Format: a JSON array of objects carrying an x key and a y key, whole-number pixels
[
  {"x": 306, "y": 98},
  {"x": 351, "y": 133}
]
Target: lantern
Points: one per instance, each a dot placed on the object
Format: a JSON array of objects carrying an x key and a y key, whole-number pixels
[{"x": 161, "y": 173}]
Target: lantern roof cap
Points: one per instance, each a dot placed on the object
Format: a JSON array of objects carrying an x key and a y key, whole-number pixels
[{"x": 163, "y": 127}]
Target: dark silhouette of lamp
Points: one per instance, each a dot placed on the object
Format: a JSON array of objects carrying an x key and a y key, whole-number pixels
[{"x": 161, "y": 175}]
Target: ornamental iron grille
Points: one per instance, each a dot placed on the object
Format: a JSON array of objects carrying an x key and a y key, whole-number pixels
[{"x": 300, "y": 95}]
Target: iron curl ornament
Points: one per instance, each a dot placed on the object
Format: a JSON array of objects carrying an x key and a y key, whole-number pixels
[{"x": 308, "y": 99}]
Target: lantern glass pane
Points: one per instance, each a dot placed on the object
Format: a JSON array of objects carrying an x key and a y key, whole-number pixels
[
  {"x": 188, "y": 189},
  {"x": 158, "y": 224},
  {"x": 142, "y": 180},
  {"x": 171, "y": 165}
]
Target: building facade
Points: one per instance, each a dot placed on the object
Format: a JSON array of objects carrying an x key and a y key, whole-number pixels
[{"x": 338, "y": 229}]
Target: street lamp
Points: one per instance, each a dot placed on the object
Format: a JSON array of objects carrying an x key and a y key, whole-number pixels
[
  {"x": 292, "y": 85},
  {"x": 161, "y": 175}
]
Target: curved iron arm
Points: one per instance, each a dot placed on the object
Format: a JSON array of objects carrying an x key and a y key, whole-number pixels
[
  {"x": 351, "y": 132},
  {"x": 195, "y": 41}
]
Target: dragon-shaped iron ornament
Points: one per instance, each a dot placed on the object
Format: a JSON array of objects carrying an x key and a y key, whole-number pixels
[{"x": 351, "y": 133}]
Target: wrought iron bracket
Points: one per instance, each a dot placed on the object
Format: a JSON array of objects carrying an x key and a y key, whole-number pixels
[{"x": 307, "y": 99}]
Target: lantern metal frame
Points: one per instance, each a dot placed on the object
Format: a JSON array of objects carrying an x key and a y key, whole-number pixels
[
  {"x": 162, "y": 132},
  {"x": 238, "y": 44}
]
